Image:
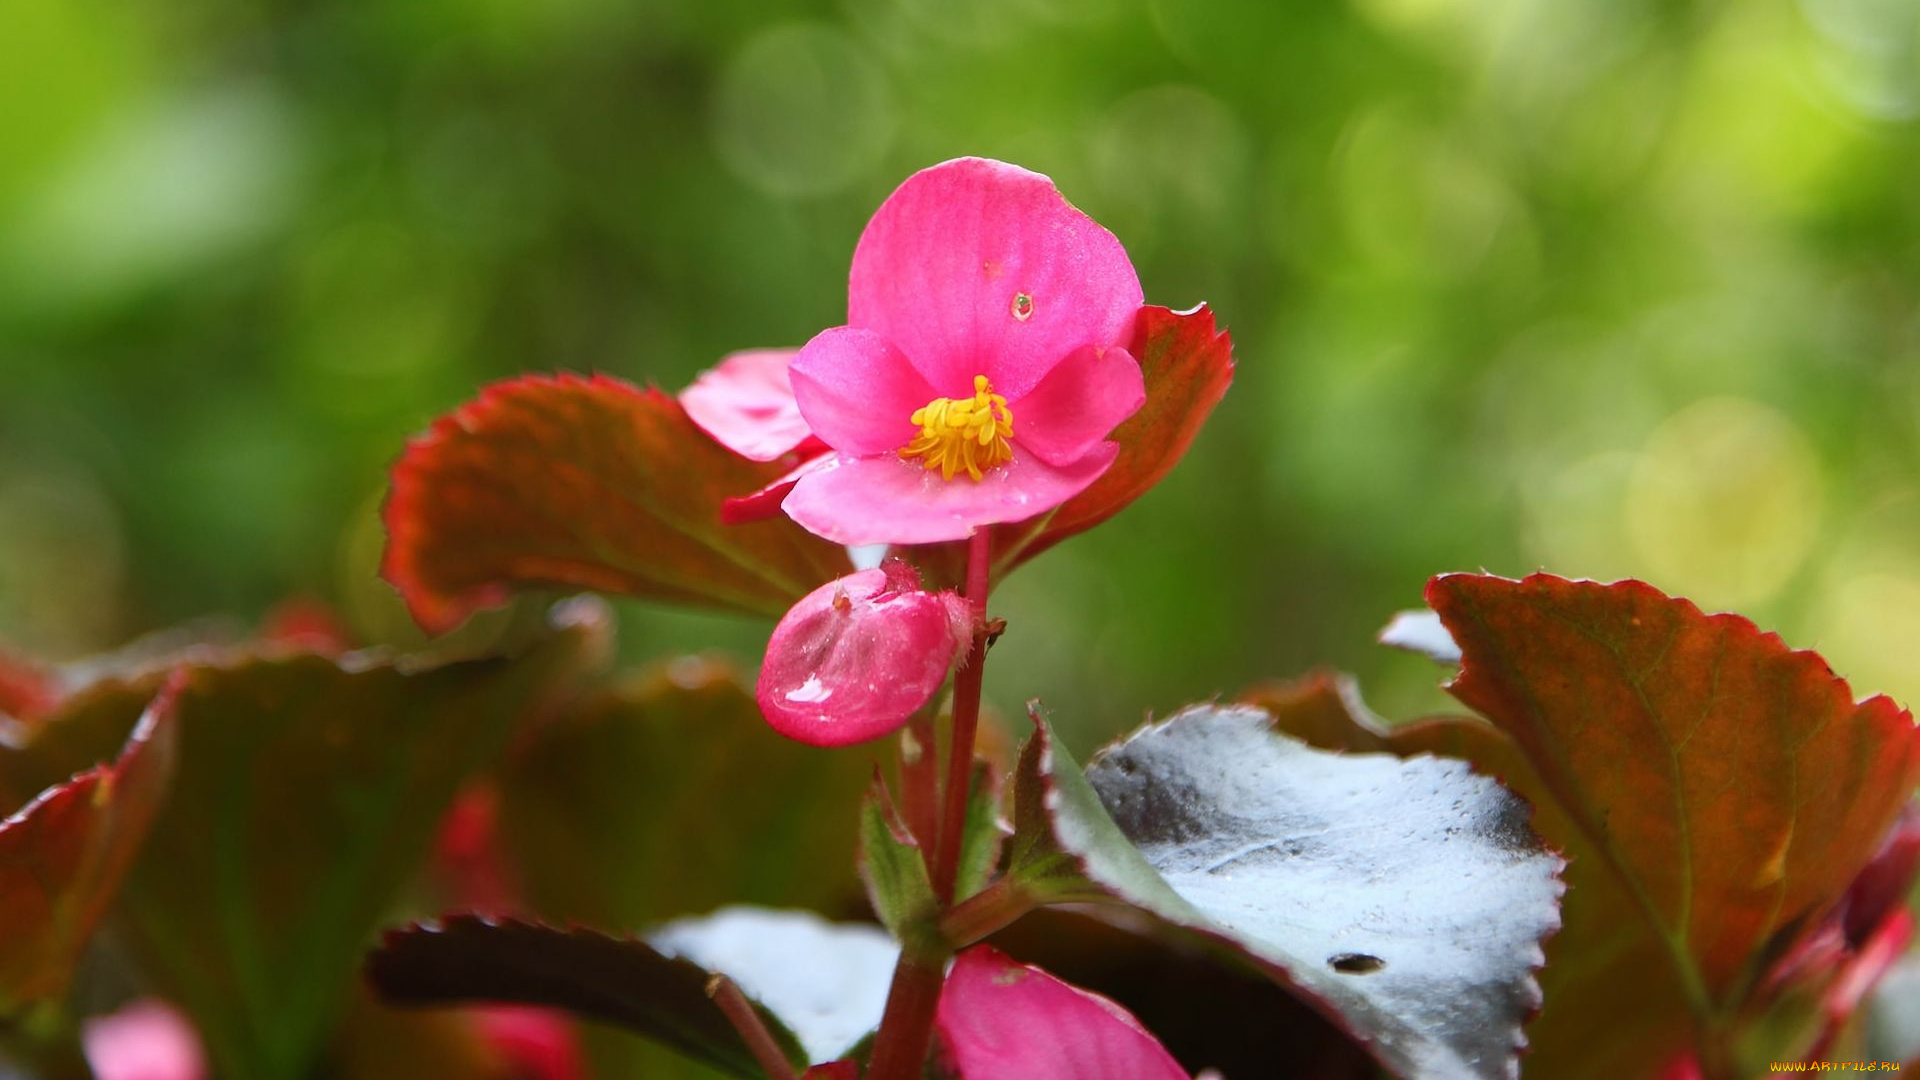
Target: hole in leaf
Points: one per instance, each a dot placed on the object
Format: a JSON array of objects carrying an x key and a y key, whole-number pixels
[{"x": 1353, "y": 963}]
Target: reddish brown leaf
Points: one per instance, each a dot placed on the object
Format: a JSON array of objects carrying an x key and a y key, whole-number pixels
[
  {"x": 1735, "y": 784},
  {"x": 1188, "y": 364},
  {"x": 64, "y": 855},
  {"x": 576, "y": 482},
  {"x": 27, "y": 690}
]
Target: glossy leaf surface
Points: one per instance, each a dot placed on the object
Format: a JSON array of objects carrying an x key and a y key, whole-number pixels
[
  {"x": 1613, "y": 1005},
  {"x": 1407, "y": 898}
]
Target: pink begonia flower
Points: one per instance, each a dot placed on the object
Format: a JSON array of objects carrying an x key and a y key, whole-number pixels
[
  {"x": 981, "y": 368},
  {"x": 146, "y": 1040},
  {"x": 1003, "y": 1020},
  {"x": 856, "y": 657}
]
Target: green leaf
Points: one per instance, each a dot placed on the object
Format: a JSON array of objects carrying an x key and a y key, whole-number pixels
[
  {"x": 308, "y": 790},
  {"x": 669, "y": 793},
  {"x": 1341, "y": 875},
  {"x": 985, "y": 833},
  {"x": 895, "y": 872}
]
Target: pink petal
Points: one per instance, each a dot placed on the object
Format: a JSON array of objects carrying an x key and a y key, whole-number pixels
[
  {"x": 746, "y": 404},
  {"x": 885, "y": 500},
  {"x": 147, "y": 1040},
  {"x": 537, "y": 1044},
  {"x": 1007, "y": 1021},
  {"x": 856, "y": 657},
  {"x": 940, "y": 268},
  {"x": 858, "y": 392},
  {"x": 1078, "y": 404}
]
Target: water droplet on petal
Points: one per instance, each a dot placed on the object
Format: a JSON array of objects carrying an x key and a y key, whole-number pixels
[
  {"x": 1022, "y": 306},
  {"x": 810, "y": 692}
]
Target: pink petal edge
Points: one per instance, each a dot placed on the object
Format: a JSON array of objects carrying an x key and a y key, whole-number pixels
[
  {"x": 746, "y": 403},
  {"x": 885, "y": 500},
  {"x": 1078, "y": 404},
  {"x": 940, "y": 267},
  {"x": 1003, "y": 1020}
]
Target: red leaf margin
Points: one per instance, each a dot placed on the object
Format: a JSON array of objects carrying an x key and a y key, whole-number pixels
[
  {"x": 1884, "y": 752},
  {"x": 64, "y": 855}
]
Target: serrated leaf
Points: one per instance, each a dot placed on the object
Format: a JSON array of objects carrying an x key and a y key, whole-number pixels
[
  {"x": 64, "y": 855},
  {"x": 578, "y": 482},
  {"x": 1612, "y": 1005},
  {"x": 1406, "y": 898},
  {"x": 470, "y": 959},
  {"x": 818, "y": 987},
  {"x": 1735, "y": 784},
  {"x": 308, "y": 790}
]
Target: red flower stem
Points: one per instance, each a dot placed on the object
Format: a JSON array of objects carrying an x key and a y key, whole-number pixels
[
  {"x": 906, "y": 1029},
  {"x": 773, "y": 1061},
  {"x": 966, "y": 719}
]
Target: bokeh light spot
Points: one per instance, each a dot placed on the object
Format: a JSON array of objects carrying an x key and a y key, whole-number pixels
[
  {"x": 802, "y": 110},
  {"x": 1724, "y": 503}
]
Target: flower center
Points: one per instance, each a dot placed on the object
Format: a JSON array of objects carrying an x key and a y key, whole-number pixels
[{"x": 963, "y": 434}]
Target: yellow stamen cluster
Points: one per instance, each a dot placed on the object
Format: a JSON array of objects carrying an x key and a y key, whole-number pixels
[{"x": 966, "y": 435}]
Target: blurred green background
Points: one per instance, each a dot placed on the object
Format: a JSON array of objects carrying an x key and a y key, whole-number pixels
[{"x": 1611, "y": 287}]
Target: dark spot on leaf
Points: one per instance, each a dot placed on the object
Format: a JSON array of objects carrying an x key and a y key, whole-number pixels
[{"x": 1352, "y": 963}]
